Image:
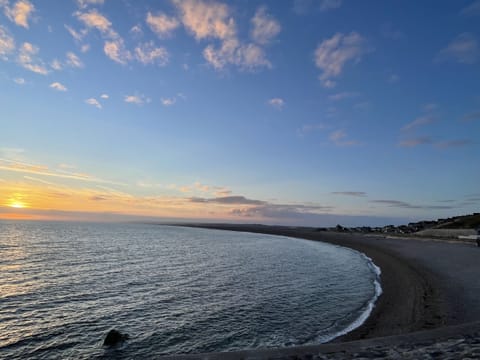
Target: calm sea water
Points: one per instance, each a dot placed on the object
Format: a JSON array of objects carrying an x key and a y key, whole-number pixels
[{"x": 63, "y": 286}]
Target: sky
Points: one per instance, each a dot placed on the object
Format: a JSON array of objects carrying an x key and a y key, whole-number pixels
[{"x": 304, "y": 112}]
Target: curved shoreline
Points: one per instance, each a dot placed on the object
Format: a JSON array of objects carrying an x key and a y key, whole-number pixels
[
  {"x": 411, "y": 300},
  {"x": 429, "y": 307}
]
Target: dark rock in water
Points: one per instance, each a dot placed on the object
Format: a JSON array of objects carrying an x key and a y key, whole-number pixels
[{"x": 114, "y": 337}]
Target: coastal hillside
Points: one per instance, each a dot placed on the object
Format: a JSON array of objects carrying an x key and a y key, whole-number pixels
[
  {"x": 469, "y": 224},
  {"x": 460, "y": 222}
]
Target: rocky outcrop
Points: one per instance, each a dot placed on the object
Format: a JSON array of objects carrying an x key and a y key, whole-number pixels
[{"x": 114, "y": 337}]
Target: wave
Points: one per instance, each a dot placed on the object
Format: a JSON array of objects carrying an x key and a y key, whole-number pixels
[{"x": 368, "y": 308}]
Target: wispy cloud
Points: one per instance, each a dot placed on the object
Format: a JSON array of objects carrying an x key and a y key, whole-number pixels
[
  {"x": 28, "y": 168},
  {"x": 162, "y": 24},
  {"x": 350, "y": 193},
  {"x": 309, "y": 128},
  {"x": 84, "y": 3},
  {"x": 73, "y": 60},
  {"x": 116, "y": 51},
  {"x": 27, "y": 58},
  {"x": 474, "y": 115},
  {"x": 453, "y": 143},
  {"x": 343, "y": 95},
  {"x": 340, "y": 138},
  {"x": 332, "y": 54},
  {"x": 471, "y": 10},
  {"x": 114, "y": 46},
  {"x": 7, "y": 43},
  {"x": 104, "y": 96},
  {"x": 20, "y": 13},
  {"x": 19, "y": 81},
  {"x": 56, "y": 65},
  {"x": 168, "y": 101},
  {"x": 148, "y": 53},
  {"x": 229, "y": 200},
  {"x": 93, "y": 102},
  {"x": 137, "y": 99},
  {"x": 58, "y": 86},
  {"x": 326, "y": 5},
  {"x": 264, "y": 26},
  {"x": 77, "y": 35},
  {"x": 405, "y": 205},
  {"x": 463, "y": 49},
  {"x": 420, "y": 121},
  {"x": 277, "y": 103},
  {"x": 413, "y": 142}
]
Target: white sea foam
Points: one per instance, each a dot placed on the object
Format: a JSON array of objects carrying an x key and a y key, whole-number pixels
[{"x": 369, "y": 306}]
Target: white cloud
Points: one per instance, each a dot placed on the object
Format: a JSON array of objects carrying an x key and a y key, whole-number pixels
[
  {"x": 93, "y": 102},
  {"x": 57, "y": 86},
  {"x": 147, "y": 53},
  {"x": 212, "y": 20},
  {"x": 116, "y": 51},
  {"x": 206, "y": 19},
  {"x": 136, "y": 99},
  {"x": 84, "y": 3},
  {"x": 84, "y": 48},
  {"x": 168, "y": 101},
  {"x": 422, "y": 120},
  {"x": 463, "y": 49},
  {"x": 161, "y": 24},
  {"x": 326, "y": 5},
  {"x": 472, "y": 9},
  {"x": 77, "y": 35},
  {"x": 136, "y": 30},
  {"x": 27, "y": 58},
  {"x": 343, "y": 95},
  {"x": 332, "y": 54},
  {"x": 7, "y": 43},
  {"x": 73, "y": 60},
  {"x": 277, "y": 103},
  {"x": 19, "y": 81},
  {"x": 56, "y": 65},
  {"x": 340, "y": 137},
  {"x": 265, "y": 27},
  {"x": 245, "y": 56},
  {"x": 20, "y": 12},
  {"x": 104, "y": 96},
  {"x": 93, "y": 19}
]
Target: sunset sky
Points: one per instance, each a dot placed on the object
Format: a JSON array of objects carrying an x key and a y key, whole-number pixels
[{"x": 308, "y": 112}]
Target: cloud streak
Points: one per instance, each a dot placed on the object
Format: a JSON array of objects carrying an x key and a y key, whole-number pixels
[
  {"x": 23, "y": 167},
  {"x": 463, "y": 49}
]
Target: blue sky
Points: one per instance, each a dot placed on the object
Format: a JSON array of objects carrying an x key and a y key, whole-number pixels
[{"x": 295, "y": 112}]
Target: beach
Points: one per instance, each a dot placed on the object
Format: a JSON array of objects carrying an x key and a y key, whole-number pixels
[{"x": 430, "y": 292}]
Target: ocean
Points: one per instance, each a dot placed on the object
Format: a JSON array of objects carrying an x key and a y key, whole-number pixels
[{"x": 63, "y": 286}]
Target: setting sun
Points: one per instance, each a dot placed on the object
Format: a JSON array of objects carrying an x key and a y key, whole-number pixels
[{"x": 17, "y": 204}]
